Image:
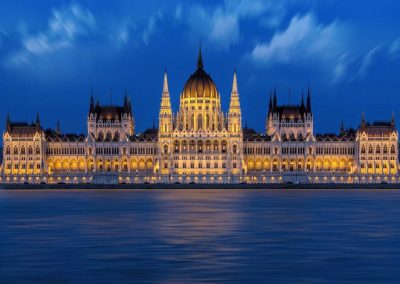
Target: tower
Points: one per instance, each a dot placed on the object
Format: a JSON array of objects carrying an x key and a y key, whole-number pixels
[
  {"x": 165, "y": 115},
  {"x": 235, "y": 132},
  {"x": 234, "y": 114},
  {"x": 165, "y": 130}
]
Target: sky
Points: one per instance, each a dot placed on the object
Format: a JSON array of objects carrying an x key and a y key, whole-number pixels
[{"x": 52, "y": 53}]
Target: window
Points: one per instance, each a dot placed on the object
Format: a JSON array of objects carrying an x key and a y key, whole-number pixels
[{"x": 165, "y": 149}]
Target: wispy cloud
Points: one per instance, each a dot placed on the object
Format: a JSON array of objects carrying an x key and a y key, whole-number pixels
[
  {"x": 221, "y": 24},
  {"x": 303, "y": 39},
  {"x": 64, "y": 27},
  {"x": 367, "y": 61},
  {"x": 394, "y": 49}
]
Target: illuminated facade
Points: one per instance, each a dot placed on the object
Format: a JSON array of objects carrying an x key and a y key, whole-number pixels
[{"x": 200, "y": 144}]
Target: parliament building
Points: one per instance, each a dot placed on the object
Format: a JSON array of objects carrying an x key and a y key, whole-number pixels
[{"x": 200, "y": 143}]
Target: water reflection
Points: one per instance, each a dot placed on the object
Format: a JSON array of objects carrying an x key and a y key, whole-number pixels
[{"x": 180, "y": 236}]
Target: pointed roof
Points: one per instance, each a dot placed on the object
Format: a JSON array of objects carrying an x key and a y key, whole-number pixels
[
  {"x": 234, "y": 83},
  {"x": 165, "y": 85},
  {"x": 308, "y": 108},
  {"x": 200, "y": 59},
  {"x": 275, "y": 103}
]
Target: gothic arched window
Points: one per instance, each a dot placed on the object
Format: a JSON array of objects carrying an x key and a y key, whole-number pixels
[
  {"x": 200, "y": 122},
  {"x": 392, "y": 149}
]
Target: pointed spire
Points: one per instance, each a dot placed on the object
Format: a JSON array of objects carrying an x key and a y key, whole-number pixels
[
  {"x": 270, "y": 103},
  {"x": 91, "y": 108},
  {"x": 234, "y": 84},
  {"x": 200, "y": 60},
  {"x": 342, "y": 127},
  {"x": 165, "y": 86},
  {"x": 302, "y": 100},
  {"x": 393, "y": 123},
  {"x": 8, "y": 123},
  {"x": 58, "y": 128},
  {"x": 308, "y": 108},
  {"x": 37, "y": 124},
  {"x": 126, "y": 101},
  {"x": 275, "y": 103},
  {"x": 363, "y": 123}
]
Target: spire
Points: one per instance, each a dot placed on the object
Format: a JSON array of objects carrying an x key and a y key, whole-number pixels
[
  {"x": 58, "y": 128},
  {"x": 8, "y": 123},
  {"x": 275, "y": 103},
  {"x": 270, "y": 103},
  {"x": 91, "y": 108},
  {"x": 126, "y": 101},
  {"x": 234, "y": 84},
  {"x": 308, "y": 108},
  {"x": 363, "y": 123},
  {"x": 342, "y": 127},
  {"x": 302, "y": 100},
  {"x": 393, "y": 123},
  {"x": 234, "y": 107},
  {"x": 200, "y": 60},
  {"x": 165, "y": 86},
  {"x": 37, "y": 124}
]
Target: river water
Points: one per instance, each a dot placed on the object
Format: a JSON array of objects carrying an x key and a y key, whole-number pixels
[{"x": 200, "y": 236}]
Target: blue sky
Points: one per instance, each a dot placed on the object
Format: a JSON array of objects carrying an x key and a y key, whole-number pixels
[{"x": 53, "y": 52}]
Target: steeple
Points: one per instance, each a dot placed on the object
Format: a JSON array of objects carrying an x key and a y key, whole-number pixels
[
  {"x": 235, "y": 113},
  {"x": 341, "y": 127},
  {"x": 165, "y": 86},
  {"x": 363, "y": 123},
  {"x": 302, "y": 101},
  {"x": 126, "y": 102},
  {"x": 37, "y": 124},
  {"x": 392, "y": 122},
  {"x": 37, "y": 118},
  {"x": 58, "y": 128},
  {"x": 165, "y": 115},
  {"x": 275, "y": 103},
  {"x": 308, "y": 108},
  {"x": 8, "y": 123},
  {"x": 91, "y": 108},
  {"x": 270, "y": 103},
  {"x": 200, "y": 60}
]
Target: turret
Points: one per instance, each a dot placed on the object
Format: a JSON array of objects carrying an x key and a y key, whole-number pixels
[
  {"x": 275, "y": 103},
  {"x": 165, "y": 115},
  {"x": 234, "y": 113}
]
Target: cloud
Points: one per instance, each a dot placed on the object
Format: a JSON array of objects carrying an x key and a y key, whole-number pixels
[
  {"x": 366, "y": 62},
  {"x": 151, "y": 26},
  {"x": 341, "y": 69},
  {"x": 394, "y": 49},
  {"x": 303, "y": 39},
  {"x": 220, "y": 25},
  {"x": 64, "y": 27}
]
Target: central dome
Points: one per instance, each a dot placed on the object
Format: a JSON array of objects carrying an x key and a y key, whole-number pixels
[{"x": 200, "y": 84}]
